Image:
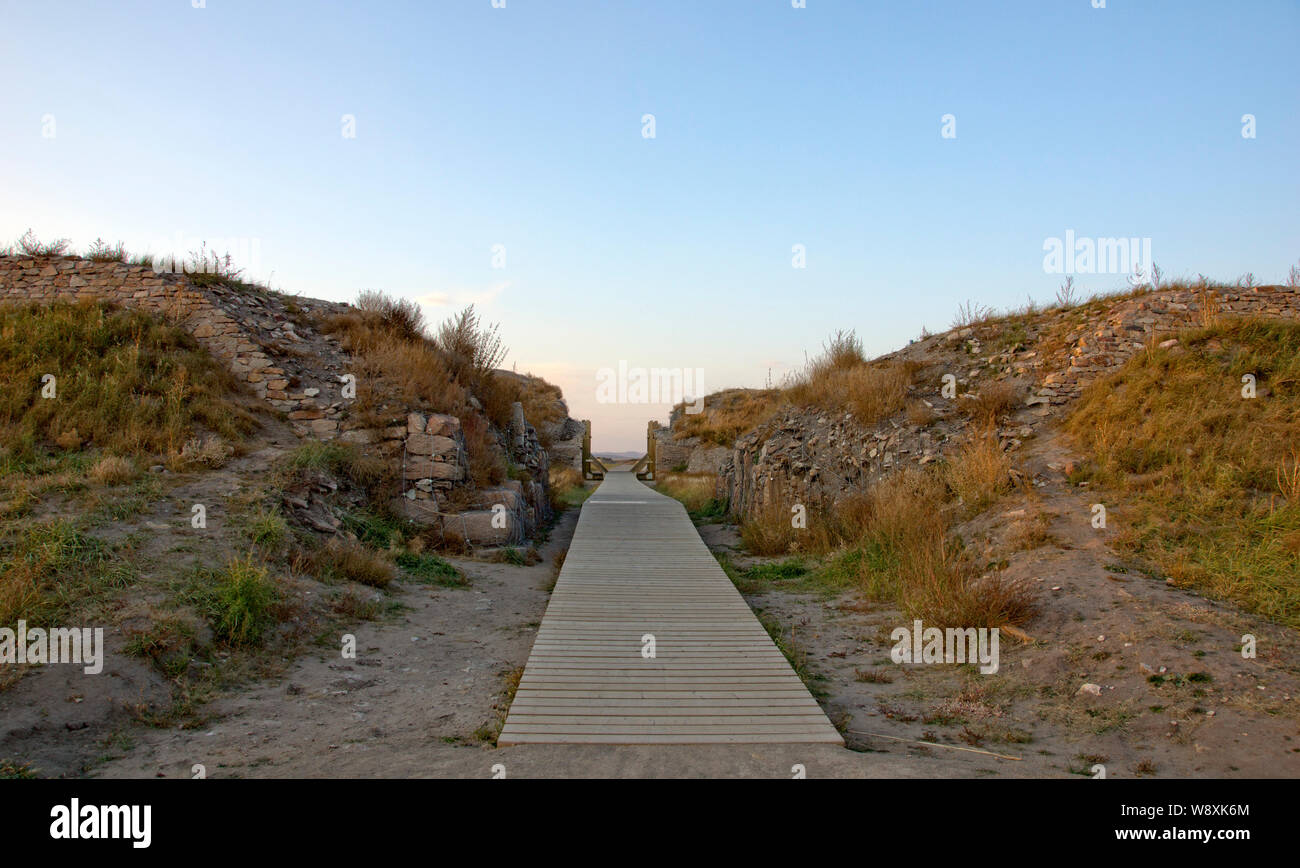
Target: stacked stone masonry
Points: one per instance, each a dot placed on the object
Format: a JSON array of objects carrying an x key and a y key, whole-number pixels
[
  {"x": 814, "y": 457},
  {"x": 268, "y": 341}
]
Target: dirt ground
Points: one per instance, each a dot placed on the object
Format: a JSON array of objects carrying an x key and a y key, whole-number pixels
[
  {"x": 424, "y": 698},
  {"x": 1173, "y": 695},
  {"x": 429, "y": 686}
]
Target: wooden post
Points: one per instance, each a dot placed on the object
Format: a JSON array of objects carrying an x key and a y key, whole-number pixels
[
  {"x": 587, "y": 458},
  {"x": 586, "y": 449},
  {"x": 650, "y": 447}
]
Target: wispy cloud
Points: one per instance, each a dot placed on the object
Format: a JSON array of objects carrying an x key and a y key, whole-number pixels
[{"x": 463, "y": 296}]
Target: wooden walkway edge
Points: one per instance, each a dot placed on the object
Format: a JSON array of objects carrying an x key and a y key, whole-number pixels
[{"x": 637, "y": 570}]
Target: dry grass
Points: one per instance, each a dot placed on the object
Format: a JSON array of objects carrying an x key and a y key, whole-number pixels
[
  {"x": 395, "y": 367},
  {"x": 487, "y": 461},
  {"x": 1203, "y": 478},
  {"x": 980, "y": 471},
  {"x": 542, "y": 402},
  {"x": 1031, "y": 532},
  {"x": 896, "y": 548},
  {"x": 1288, "y": 476},
  {"x": 696, "y": 491},
  {"x": 125, "y": 383},
  {"x": 566, "y": 487},
  {"x": 113, "y": 470},
  {"x": 47, "y": 569},
  {"x": 838, "y": 379},
  {"x": 869, "y": 391},
  {"x": 729, "y": 414},
  {"x": 993, "y": 400},
  {"x": 771, "y": 531},
  {"x": 942, "y": 588},
  {"x": 347, "y": 559},
  {"x": 971, "y": 313},
  {"x": 401, "y": 318},
  {"x": 401, "y": 368},
  {"x": 918, "y": 413}
]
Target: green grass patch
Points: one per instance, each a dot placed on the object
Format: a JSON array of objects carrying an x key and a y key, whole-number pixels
[
  {"x": 123, "y": 381},
  {"x": 239, "y": 600},
  {"x": 431, "y": 570},
  {"x": 47, "y": 569},
  {"x": 1201, "y": 480}
]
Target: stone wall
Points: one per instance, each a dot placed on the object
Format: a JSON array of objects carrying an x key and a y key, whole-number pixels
[
  {"x": 816, "y": 457},
  {"x": 1130, "y": 324},
  {"x": 687, "y": 455},
  {"x": 270, "y": 342},
  {"x": 249, "y": 331}
]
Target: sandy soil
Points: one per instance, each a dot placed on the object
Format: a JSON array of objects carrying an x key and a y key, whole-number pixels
[
  {"x": 1100, "y": 623},
  {"x": 428, "y": 689}
]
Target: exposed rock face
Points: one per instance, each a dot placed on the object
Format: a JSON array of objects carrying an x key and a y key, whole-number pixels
[
  {"x": 561, "y": 434},
  {"x": 685, "y": 454},
  {"x": 815, "y": 458},
  {"x": 566, "y": 443},
  {"x": 271, "y": 343}
]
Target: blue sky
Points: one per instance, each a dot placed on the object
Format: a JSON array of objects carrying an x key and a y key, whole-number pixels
[{"x": 774, "y": 126}]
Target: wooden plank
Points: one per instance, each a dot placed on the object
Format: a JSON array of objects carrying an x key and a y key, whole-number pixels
[{"x": 636, "y": 565}]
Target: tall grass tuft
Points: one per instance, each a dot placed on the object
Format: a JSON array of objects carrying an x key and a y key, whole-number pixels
[
  {"x": 980, "y": 471},
  {"x": 242, "y": 601}
]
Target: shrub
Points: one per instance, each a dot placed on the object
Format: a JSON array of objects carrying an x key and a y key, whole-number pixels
[
  {"x": 267, "y": 528},
  {"x": 33, "y": 246},
  {"x": 431, "y": 570},
  {"x": 471, "y": 349},
  {"x": 241, "y": 603},
  {"x": 400, "y": 317},
  {"x": 102, "y": 251}
]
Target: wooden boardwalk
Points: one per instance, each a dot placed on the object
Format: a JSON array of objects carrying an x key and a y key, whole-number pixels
[{"x": 637, "y": 566}]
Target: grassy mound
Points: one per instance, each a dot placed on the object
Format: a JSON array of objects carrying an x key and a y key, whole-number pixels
[
  {"x": 123, "y": 382},
  {"x": 1206, "y": 481}
]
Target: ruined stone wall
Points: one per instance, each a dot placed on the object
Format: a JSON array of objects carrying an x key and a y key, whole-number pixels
[
  {"x": 269, "y": 341},
  {"x": 816, "y": 457},
  {"x": 687, "y": 455},
  {"x": 1130, "y": 325},
  {"x": 251, "y": 332}
]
